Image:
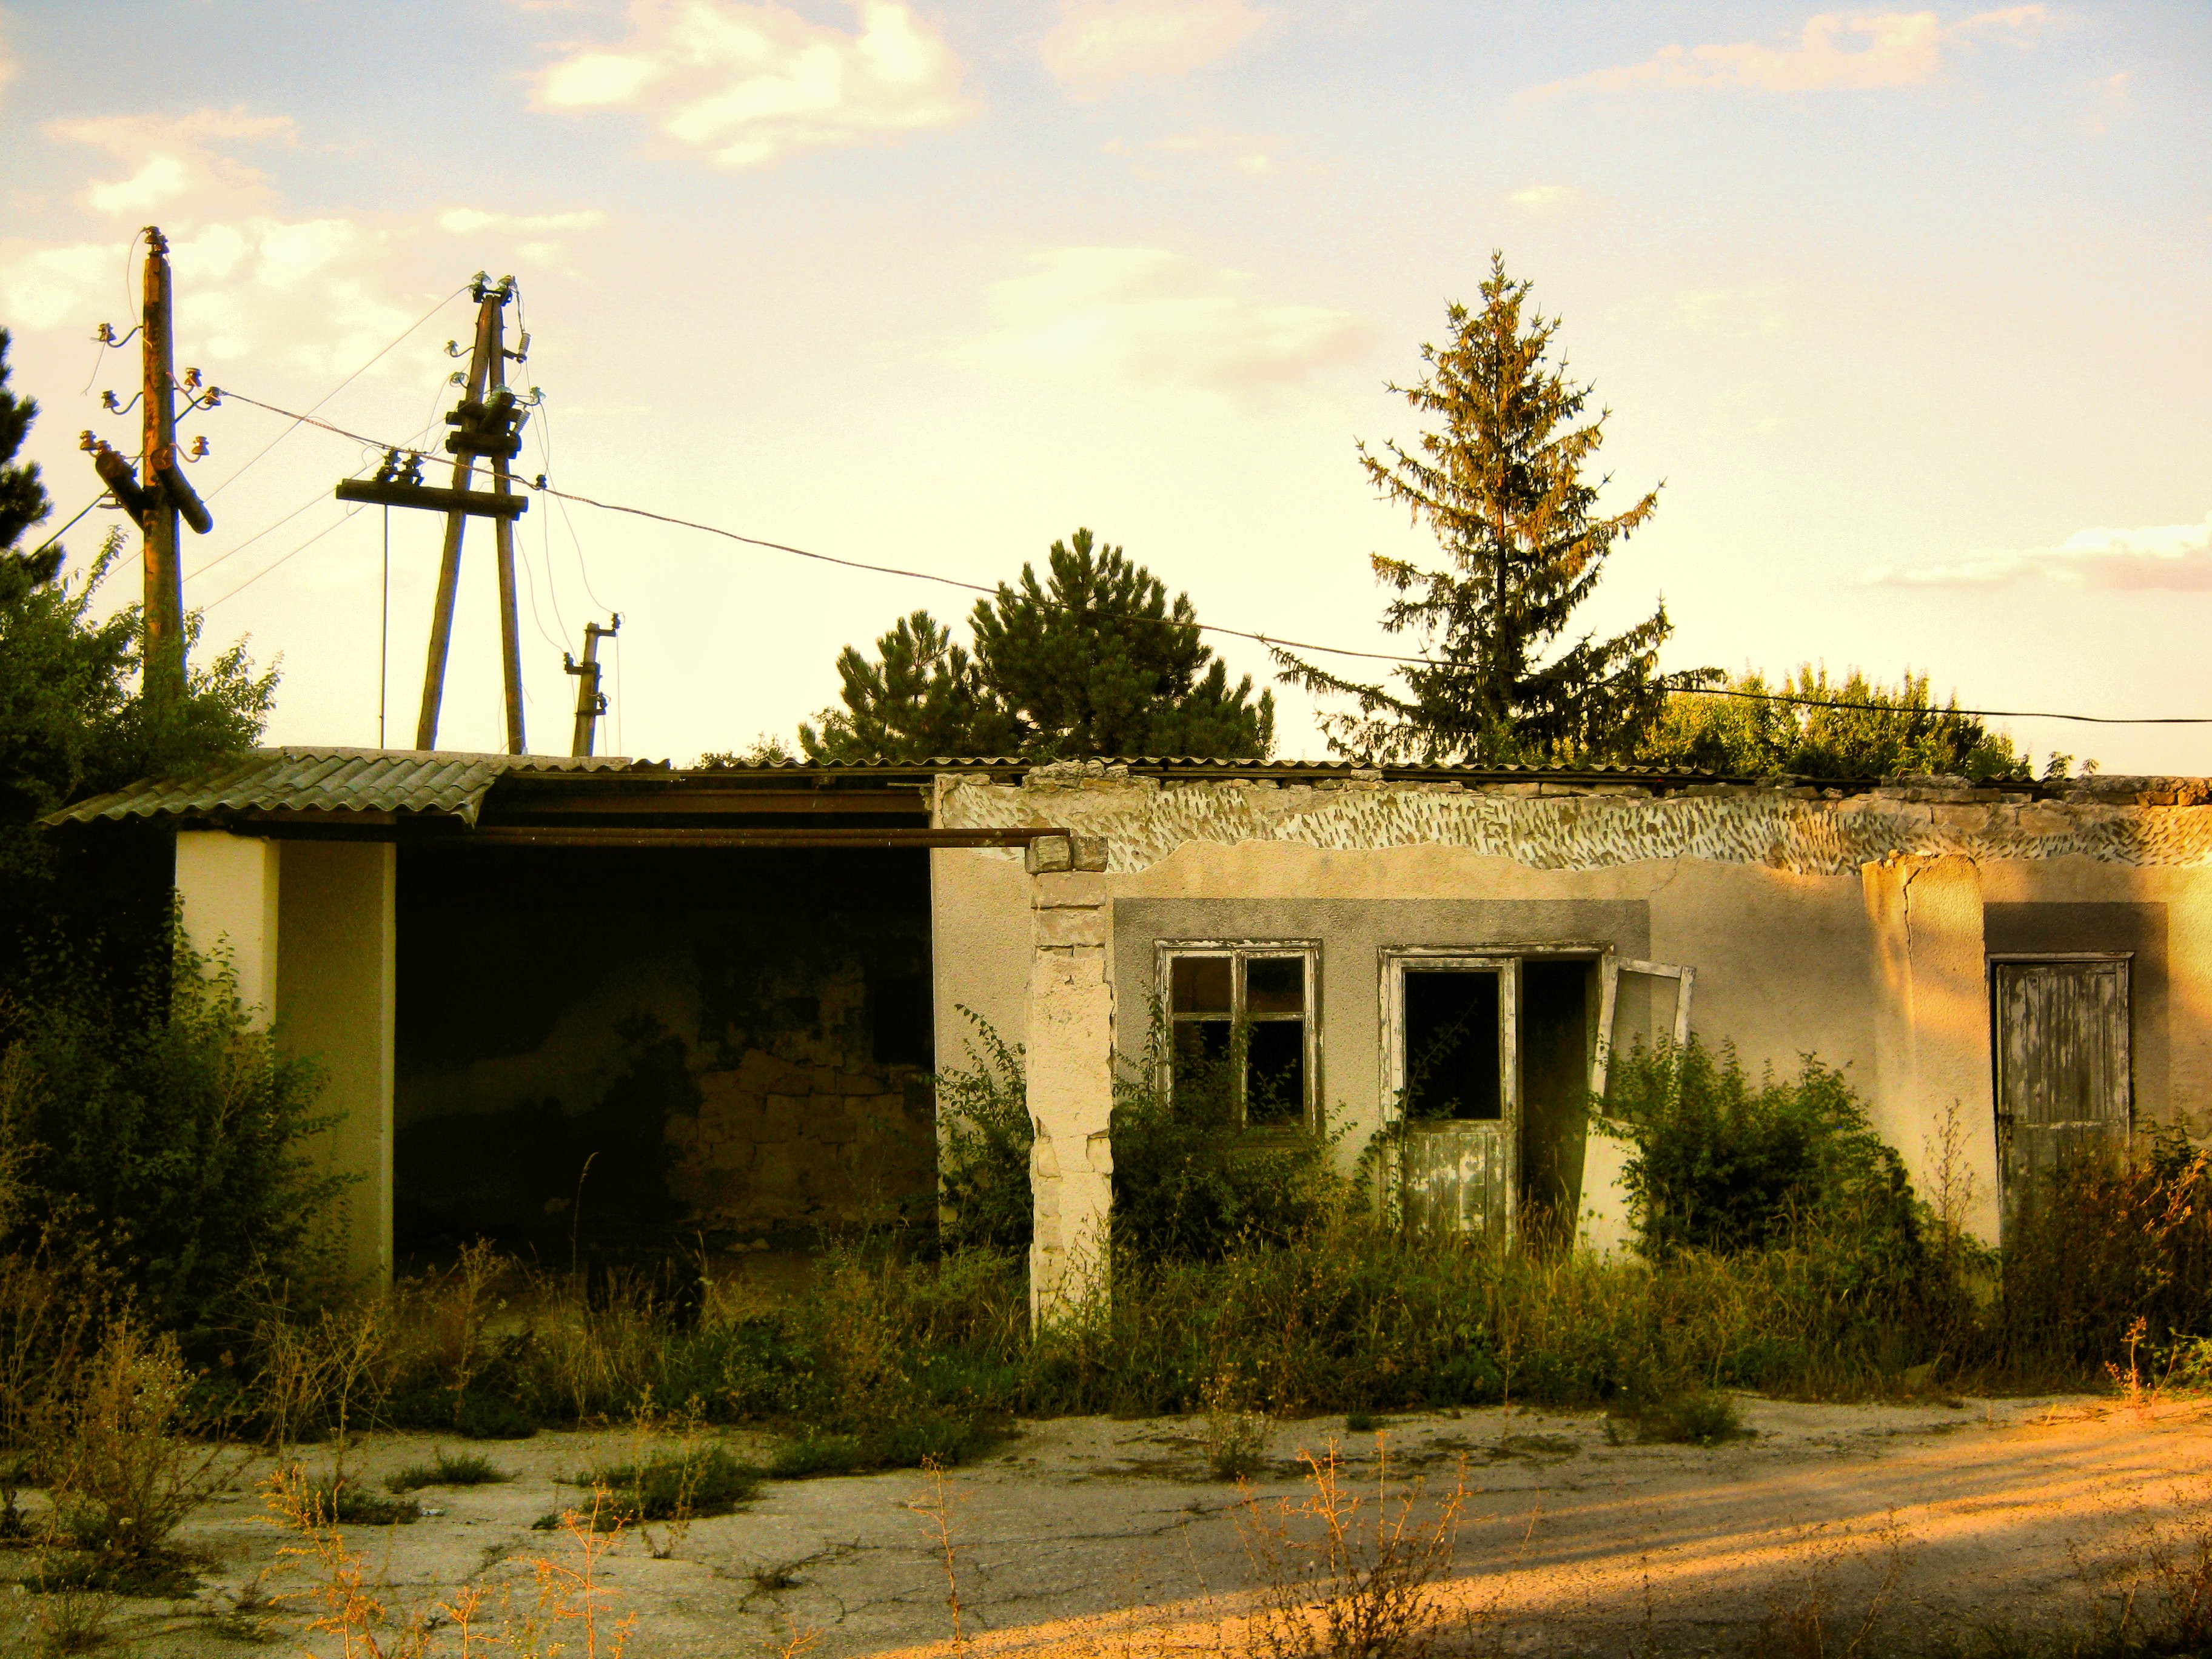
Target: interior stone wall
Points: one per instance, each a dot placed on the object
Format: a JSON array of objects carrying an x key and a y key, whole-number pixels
[{"x": 631, "y": 1046}]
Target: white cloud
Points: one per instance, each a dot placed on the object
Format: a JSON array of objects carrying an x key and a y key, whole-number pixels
[
  {"x": 2172, "y": 558},
  {"x": 176, "y": 162},
  {"x": 749, "y": 83},
  {"x": 1855, "y": 50},
  {"x": 1098, "y": 43},
  {"x": 1545, "y": 198},
  {"x": 1239, "y": 151},
  {"x": 1160, "y": 319},
  {"x": 316, "y": 294}
]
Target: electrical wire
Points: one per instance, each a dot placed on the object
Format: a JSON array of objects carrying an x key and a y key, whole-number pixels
[
  {"x": 1272, "y": 641},
  {"x": 71, "y": 526},
  {"x": 340, "y": 387},
  {"x": 546, "y": 449},
  {"x": 343, "y": 518}
]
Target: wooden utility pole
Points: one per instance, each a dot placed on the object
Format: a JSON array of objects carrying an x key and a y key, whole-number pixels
[
  {"x": 159, "y": 494},
  {"x": 165, "y": 570},
  {"x": 488, "y": 423},
  {"x": 590, "y": 702}
]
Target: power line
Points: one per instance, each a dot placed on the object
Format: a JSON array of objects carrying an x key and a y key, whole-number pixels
[
  {"x": 340, "y": 387},
  {"x": 343, "y": 518},
  {"x": 71, "y": 526},
  {"x": 1272, "y": 642}
]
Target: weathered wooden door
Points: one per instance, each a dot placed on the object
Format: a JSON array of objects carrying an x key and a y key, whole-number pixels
[
  {"x": 2063, "y": 1085},
  {"x": 1450, "y": 1073}
]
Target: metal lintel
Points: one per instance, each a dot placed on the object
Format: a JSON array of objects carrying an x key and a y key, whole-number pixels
[{"x": 581, "y": 835}]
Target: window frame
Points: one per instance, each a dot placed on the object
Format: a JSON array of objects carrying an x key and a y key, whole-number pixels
[{"x": 1239, "y": 950}]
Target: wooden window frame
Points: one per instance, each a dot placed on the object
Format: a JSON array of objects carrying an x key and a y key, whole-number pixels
[
  {"x": 1239, "y": 950},
  {"x": 1396, "y": 963},
  {"x": 1609, "y": 1001}
]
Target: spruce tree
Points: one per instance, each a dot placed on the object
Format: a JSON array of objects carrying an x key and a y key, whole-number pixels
[
  {"x": 1092, "y": 659},
  {"x": 1500, "y": 479}
]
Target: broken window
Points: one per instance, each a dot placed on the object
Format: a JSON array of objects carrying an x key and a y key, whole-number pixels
[
  {"x": 1645, "y": 1004},
  {"x": 2064, "y": 1087},
  {"x": 1243, "y": 1032}
]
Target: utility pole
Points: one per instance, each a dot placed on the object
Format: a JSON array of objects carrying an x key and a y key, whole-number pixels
[
  {"x": 159, "y": 494},
  {"x": 486, "y": 424},
  {"x": 590, "y": 702}
]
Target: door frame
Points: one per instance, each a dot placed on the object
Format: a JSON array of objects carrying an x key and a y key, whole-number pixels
[{"x": 1396, "y": 962}]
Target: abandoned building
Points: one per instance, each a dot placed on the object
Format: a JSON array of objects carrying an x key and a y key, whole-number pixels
[{"x": 554, "y": 995}]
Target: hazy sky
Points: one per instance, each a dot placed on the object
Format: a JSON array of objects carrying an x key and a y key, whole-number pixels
[{"x": 1910, "y": 310}]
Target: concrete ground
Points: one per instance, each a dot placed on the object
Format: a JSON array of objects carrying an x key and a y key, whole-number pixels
[{"x": 1094, "y": 1536}]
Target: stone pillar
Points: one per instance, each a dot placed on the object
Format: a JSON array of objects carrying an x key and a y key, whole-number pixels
[
  {"x": 1931, "y": 1028},
  {"x": 226, "y": 889},
  {"x": 1070, "y": 1072},
  {"x": 336, "y": 1001}
]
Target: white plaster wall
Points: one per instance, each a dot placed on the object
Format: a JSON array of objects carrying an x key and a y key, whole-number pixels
[
  {"x": 979, "y": 941},
  {"x": 336, "y": 981},
  {"x": 227, "y": 887}
]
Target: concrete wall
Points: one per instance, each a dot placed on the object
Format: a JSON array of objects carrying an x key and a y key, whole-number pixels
[
  {"x": 1857, "y": 930},
  {"x": 308, "y": 929}
]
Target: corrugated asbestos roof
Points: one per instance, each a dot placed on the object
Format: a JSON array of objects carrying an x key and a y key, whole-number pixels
[{"x": 334, "y": 781}]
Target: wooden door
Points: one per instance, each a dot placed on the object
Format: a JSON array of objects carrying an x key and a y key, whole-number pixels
[
  {"x": 2063, "y": 1085},
  {"x": 1451, "y": 1073}
]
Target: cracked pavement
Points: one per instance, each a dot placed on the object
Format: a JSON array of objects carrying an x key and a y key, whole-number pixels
[{"x": 1090, "y": 1535}]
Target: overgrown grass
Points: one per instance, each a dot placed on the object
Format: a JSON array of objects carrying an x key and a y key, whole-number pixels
[
  {"x": 444, "y": 1469},
  {"x": 680, "y": 1483}
]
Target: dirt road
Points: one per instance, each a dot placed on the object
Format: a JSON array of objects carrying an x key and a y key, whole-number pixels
[{"x": 1090, "y": 1536}]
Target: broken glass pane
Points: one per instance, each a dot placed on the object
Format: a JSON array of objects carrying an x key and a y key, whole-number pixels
[
  {"x": 1452, "y": 1063},
  {"x": 1200, "y": 985},
  {"x": 1275, "y": 985},
  {"x": 1275, "y": 1072}
]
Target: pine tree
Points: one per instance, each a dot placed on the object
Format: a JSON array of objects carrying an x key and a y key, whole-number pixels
[
  {"x": 919, "y": 699},
  {"x": 23, "y": 500},
  {"x": 1092, "y": 660},
  {"x": 1499, "y": 481},
  {"x": 1097, "y": 662}
]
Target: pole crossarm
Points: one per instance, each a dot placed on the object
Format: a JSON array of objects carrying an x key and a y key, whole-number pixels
[{"x": 477, "y": 503}]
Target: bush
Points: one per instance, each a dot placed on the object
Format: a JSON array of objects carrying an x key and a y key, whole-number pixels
[
  {"x": 679, "y": 1484},
  {"x": 469, "y": 1469},
  {"x": 1719, "y": 1164},
  {"x": 983, "y": 1117},
  {"x": 171, "y": 1129},
  {"x": 1189, "y": 1183},
  {"x": 2098, "y": 1244}
]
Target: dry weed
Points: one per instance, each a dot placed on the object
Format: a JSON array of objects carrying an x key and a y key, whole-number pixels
[
  {"x": 570, "y": 1614},
  {"x": 1236, "y": 1436},
  {"x": 1801, "y": 1620},
  {"x": 1347, "y": 1576}
]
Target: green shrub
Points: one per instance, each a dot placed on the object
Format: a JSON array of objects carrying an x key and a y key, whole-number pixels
[
  {"x": 1720, "y": 1163},
  {"x": 2099, "y": 1244},
  {"x": 1190, "y": 1184},
  {"x": 172, "y": 1130},
  {"x": 983, "y": 1121},
  {"x": 679, "y": 1484},
  {"x": 1698, "y": 1417},
  {"x": 469, "y": 1469},
  {"x": 334, "y": 1500},
  {"x": 815, "y": 1454}
]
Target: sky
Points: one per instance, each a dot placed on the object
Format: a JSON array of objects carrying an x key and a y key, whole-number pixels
[{"x": 1910, "y": 312}]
